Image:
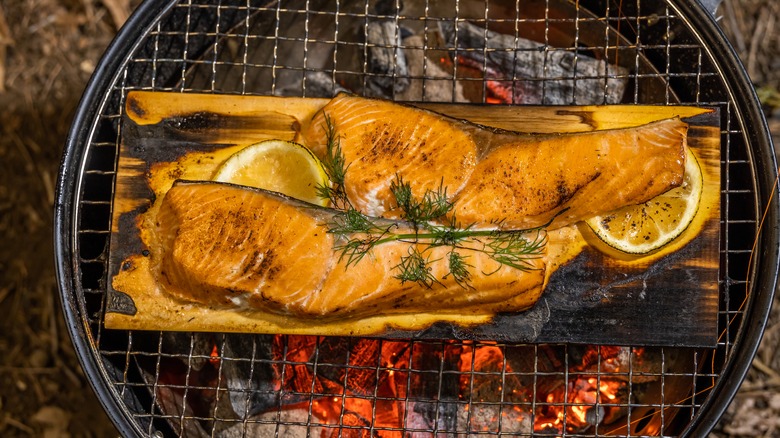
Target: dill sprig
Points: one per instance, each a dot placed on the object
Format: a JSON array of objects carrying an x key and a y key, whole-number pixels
[
  {"x": 416, "y": 268},
  {"x": 515, "y": 249},
  {"x": 432, "y": 225},
  {"x": 459, "y": 269},
  {"x": 432, "y": 206},
  {"x": 350, "y": 221},
  {"x": 336, "y": 168},
  {"x": 358, "y": 232}
]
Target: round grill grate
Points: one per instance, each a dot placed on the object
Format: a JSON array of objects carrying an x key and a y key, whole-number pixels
[{"x": 154, "y": 383}]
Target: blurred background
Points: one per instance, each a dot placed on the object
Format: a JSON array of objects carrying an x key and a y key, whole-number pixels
[{"x": 48, "y": 50}]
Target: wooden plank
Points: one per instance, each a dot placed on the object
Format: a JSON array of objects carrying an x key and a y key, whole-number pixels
[{"x": 593, "y": 295}]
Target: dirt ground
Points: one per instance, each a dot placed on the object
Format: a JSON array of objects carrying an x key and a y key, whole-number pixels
[{"x": 48, "y": 49}]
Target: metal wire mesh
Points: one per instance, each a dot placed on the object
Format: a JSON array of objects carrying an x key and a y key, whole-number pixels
[{"x": 175, "y": 383}]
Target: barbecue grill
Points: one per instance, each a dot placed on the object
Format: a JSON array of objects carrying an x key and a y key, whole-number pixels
[{"x": 585, "y": 52}]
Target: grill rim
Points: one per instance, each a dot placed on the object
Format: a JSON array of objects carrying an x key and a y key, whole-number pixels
[
  {"x": 74, "y": 155},
  {"x": 743, "y": 94},
  {"x": 700, "y": 23}
]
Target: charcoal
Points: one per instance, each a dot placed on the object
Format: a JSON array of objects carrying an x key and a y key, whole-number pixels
[
  {"x": 333, "y": 350},
  {"x": 388, "y": 72},
  {"x": 530, "y": 74},
  {"x": 434, "y": 404},
  {"x": 200, "y": 344},
  {"x": 504, "y": 419},
  {"x": 186, "y": 396},
  {"x": 388, "y": 7},
  {"x": 429, "y": 80},
  {"x": 595, "y": 415},
  {"x": 358, "y": 369},
  {"x": 293, "y": 360},
  {"x": 644, "y": 364},
  {"x": 311, "y": 84},
  {"x": 428, "y": 416},
  {"x": 493, "y": 379},
  {"x": 321, "y": 84},
  {"x": 249, "y": 376},
  {"x": 354, "y": 375},
  {"x": 286, "y": 423},
  {"x": 355, "y": 426}
]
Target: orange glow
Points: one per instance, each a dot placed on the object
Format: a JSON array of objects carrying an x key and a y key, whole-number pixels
[
  {"x": 580, "y": 413},
  {"x": 214, "y": 356},
  {"x": 358, "y": 396},
  {"x": 586, "y": 398},
  {"x": 608, "y": 391}
]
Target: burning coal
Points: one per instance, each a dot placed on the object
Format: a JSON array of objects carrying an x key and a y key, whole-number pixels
[{"x": 338, "y": 386}]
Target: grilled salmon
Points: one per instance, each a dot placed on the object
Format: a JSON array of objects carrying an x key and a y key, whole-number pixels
[
  {"x": 496, "y": 178},
  {"x": 560, "y": 180},
  {"x": 230, "y": 246},
  {"x": 381, "y": 140}
]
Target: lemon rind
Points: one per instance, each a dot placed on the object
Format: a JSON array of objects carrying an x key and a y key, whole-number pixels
[{"x": 686, "y": 220}]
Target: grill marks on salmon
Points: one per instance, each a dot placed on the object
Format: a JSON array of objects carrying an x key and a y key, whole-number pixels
[
  {"x": 230, "y": 246},
  {"x": 496, "y": 178}
]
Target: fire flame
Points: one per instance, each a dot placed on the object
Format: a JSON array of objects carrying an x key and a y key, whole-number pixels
[
  {"x": 584, "y": 402},
  {"x": 399, "y": 388},
  {"x": 214, "y": 356},
  {"x": 391, "y": 386}
]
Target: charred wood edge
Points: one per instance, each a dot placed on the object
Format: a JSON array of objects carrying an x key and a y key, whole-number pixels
[
  {"x": 72, "y": 294},
  {"x": 120, "y": 302},
  {"x": 711, "y": 118}
]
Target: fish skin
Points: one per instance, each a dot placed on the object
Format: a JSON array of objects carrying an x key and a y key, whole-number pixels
[
  {"x": 248, "y": 249},
  {"x": 497, "y": 178}
]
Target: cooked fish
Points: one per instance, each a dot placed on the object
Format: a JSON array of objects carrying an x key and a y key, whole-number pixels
[
  {"x": 496, "y": 178},
  {"x": 226, "y": 245},
  {"x": 380, "y": 140},
  {"x": 560, "y": 180}
]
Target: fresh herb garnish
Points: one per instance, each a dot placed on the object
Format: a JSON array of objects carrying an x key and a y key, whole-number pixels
[
  {"x": 432, "y": 225},
  {"x": 335, "y": 168},
  {"x": 459, "y": 269},
  {"x": 432, "y": 206},
  {"x": 416, "y": 267}
]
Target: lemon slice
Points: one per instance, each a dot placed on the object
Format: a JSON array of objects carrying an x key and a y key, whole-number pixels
[
  {"x": 644, "y": 228},
  {"x": 277, "y": 165}
]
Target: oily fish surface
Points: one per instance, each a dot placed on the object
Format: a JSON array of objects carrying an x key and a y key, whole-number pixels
[
  {"x": 231, "y": 246},
  {"x": 517, "y": 181},
  {"x": 381, "y": 140},
  {"x": 560, "y": 180}
]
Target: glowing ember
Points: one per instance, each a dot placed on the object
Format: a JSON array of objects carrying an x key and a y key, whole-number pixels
[
  {"x": 399, "y": 388},
  {"x": 214, "y": 356},
  {"x": 445, "y": 386}
]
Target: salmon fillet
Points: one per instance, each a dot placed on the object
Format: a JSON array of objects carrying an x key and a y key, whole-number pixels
[
  {"x": 231, "y": 246},
  {"x": 496, "y": 178},
  {"x": 382, "y": 139},
  {"x": 560, "y": 180}
]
